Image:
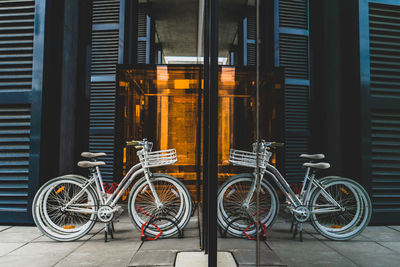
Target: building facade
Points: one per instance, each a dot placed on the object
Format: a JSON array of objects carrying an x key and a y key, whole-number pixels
[{"x": 60, "y": 66}]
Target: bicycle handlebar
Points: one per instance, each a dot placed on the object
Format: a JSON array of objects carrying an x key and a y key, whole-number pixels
[
  {"x": 263, "y": 145},
  {"x": 144, "y": 144},
  {"x": 276, "y": 144},
  {"x": 132, "y": 143}
]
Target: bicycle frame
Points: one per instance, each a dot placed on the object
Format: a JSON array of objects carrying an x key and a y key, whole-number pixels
[
  {"x": 290, "y": 195},
  {"x": 112, "y": 200}
]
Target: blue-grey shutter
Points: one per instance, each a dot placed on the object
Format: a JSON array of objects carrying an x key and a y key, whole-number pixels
[
  {"x": 144, "y": 36},
  {"x": 380, "y": 85},
  {"x": 15, "y": 123},
  {"x": 249, "y": 40},
  {"x": 21, "y": 75},
  {"x": 292, "y": 53},
  {"x": 106, "y": 54}
]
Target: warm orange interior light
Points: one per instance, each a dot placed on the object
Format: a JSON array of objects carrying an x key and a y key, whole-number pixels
[
  {"x": 181, "y": 84},
  {"x": 162, "y": 73},
  {"x": 162, "y": 76},
  {"x": 228, "y": 75}
]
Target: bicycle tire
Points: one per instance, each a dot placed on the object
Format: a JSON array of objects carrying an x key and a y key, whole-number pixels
[
  {"x": 226, "y": 218},
  {"x": 42, "y": 206},
  {"x": 350, "y": 230},
  {"x": 141, "y": 211}
]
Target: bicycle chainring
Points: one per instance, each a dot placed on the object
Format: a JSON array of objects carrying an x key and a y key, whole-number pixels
[
  {"x": 301, "y": 214},
  {"x": 105, "y": 214}
]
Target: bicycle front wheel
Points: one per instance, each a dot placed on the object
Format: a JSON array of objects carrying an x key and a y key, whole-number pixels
[
  {"x": 171, "y": 213},
  {"x": 342, "y": 224},
  {"x": 53, "y": 220},
  {"x": 234, "y": 217}
]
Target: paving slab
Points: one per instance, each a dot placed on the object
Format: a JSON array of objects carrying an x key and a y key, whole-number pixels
[
  {"x": 395, "y": 246},
  {"x": 4, "y": 227},
  {"x": 311, "y": 252},
  {"x": 248, "y": 257},
  {"x": 395, "y": 227},
  {"x": 230, "y": 243},
  {"x": 125, "y": 231},
  {"x": 193, "y": 223},
  {"x": 6, "y": 248},
  {"x": 367, "y": 253},
  {"x": 46, "y": 248},
  {"x": 44, "y": 238},
  {"x": 152, "y": 258},
  {"x": 96, "y": 252},
  {"x": 199, "y": 259},
  {"x": 176, "y": 244},
  {"x": 31, "y": 261},
  {"x": 23, "y": 229},
  {"x": 381, "y": 233},
  {"x": 191, "y": 232},
  {"x": 18, "y": 237}
]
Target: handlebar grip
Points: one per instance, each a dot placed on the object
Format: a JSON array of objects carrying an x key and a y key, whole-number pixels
[
  {"x": 139, "y": 147},
  {"x": 132, "y": 143},
  {"x": 275, "y": 144}
]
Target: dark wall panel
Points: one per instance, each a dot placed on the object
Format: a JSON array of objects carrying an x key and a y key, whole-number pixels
[
  {"x": 380, "y": 90},
  {"x": 291, "y": 36}
]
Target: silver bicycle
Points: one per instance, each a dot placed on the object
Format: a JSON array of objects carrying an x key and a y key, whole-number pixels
[
  {"x": 67, "y": 207},
  {"x": 338, "y": 208}
]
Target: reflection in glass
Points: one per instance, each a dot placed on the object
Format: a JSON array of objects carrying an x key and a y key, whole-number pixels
[{"x": 163, "y": 103}]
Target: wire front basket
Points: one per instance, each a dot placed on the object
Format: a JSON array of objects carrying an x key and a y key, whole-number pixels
[
  {"x": 249, "y": 159},
  {"x": 157, "y": 158}
]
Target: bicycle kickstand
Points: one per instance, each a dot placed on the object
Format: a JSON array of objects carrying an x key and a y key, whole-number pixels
[
  {"x": 298, "y": 227},
  {"x": 108, "y": 229},
  {"x": 292, "y": 225}
]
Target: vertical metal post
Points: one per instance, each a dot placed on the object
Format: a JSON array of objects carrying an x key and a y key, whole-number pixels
[
  {"x": 258, "y": 183},
  {"x": 206, "y": 72},
  {"x": 213, "y": 136}
]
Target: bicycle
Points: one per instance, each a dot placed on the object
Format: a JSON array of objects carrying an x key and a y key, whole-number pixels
[
  {"x": 66, "y": 208},
  {"x": 338, "y": 208}
]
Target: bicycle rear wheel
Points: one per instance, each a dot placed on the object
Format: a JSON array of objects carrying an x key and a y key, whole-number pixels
[
  {"x": 173, "y": 213},
  {"x": 50, "y": 217},
  {"x": 345, "y": 224},
  {"x": 233, "y": 217}
]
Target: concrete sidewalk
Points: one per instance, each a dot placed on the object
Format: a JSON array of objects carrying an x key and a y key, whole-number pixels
[{"x": 26, "y": 246}]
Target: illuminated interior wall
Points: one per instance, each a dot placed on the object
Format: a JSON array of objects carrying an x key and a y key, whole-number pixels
[{"x": 163, "y": 103}]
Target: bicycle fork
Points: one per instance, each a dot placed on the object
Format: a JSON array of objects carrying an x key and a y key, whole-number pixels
[
  {"x": 251, "y": 191},
  {"x": 153, "y": 190}
]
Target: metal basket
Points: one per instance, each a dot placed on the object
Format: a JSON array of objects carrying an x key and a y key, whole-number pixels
[
  {"x": 157, "y": 158},
  {"x": 249, "y": 159}
]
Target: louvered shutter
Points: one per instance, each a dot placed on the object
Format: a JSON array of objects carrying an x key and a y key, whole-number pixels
[
  {"x": 249, "y": 40},
  {"x": 144, "y": 45},
  {"x": 21, "y": 73},
  {"x": 380, "y": 85},
  {"x": 107, "y": 49},
  {"x": 292, "y": 53}
]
